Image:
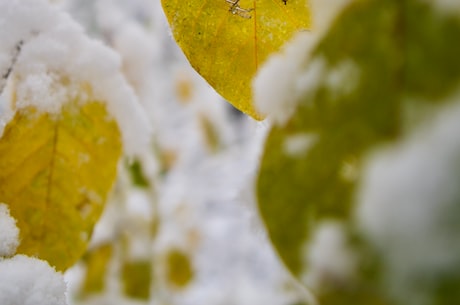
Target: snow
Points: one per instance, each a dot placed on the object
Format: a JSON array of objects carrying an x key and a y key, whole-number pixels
[
  {"x": 9, "y": 233},
  {"x": 446, "y": 6},
  {"x": 292, "y": 77},
  {"x": 343, "y": 79},
  {"x": 330, "y": 260},
  {"x": 289, "y": 76},
  {"x": 275, "y": 87},
  {"x": 53, "y": 61},
  {"x": 408, "y": 203},
  {"x": 30, "y": 281},
  {"x": 324, "y": 12},
  {"x": 297, "y": 145}
]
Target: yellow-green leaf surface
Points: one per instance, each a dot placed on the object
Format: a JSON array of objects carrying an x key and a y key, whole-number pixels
[
  {"x": 97, "y": 262},
  {"x": 137, "y": 279},
  {"x": 179, "y": 268},
  {"x": 55, "y": 173},
  {"x": 227, "y": 48}
]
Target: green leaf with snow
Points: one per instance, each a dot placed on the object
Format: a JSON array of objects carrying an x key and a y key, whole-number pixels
[{"x": 378, "y": 68}]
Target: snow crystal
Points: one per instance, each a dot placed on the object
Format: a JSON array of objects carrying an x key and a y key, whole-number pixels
[
  {"x": 9, "y": 233},
  {"x": 330, "y": 259},
  {"x": 30, "y": 281},
  {"x": 409, "y": 202},
  {"x": 55, "y": 60},
  {"x": 298, "y": 144},
  {"x": 41, "y": 89}
]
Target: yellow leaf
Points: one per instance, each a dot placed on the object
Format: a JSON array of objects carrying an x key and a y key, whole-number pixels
[
  {"x": 97, "y": 262},
  {"x": 55, "y": 172},
  {"x": 227, "y": 47},
  {"x": 137, "y": 279},
  {"x": 179, "y": 268}
]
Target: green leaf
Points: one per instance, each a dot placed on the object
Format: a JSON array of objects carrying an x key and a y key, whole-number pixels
[
  {"x": 295, "y": 192},
  {"x": 137, "y": 176},
  {"x": 397, "y": 56}
]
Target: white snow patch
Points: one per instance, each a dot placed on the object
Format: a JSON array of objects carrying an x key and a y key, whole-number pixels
[
  {"x": 9, "y": 233},
  {"x": 43, "y": 89},
  {"x": 275, "y": 85},
  {"x": 330, "y": 259},
  {"x": 30, "y": 281},
  {"x": 52, "y": 60},
  {"x": 350, "y": 170},
  {"x": 311, "y": 78},
  {"x": 288, "y": 76},
  {"x": 136, "y": 48},
  {"x": 344, "y": 78},
  {"x": 298, "y": 144},
  {"x": 446, "y": 6},
  {"x": 409, "y": 203},
  {"x": 324, "y": 13}
]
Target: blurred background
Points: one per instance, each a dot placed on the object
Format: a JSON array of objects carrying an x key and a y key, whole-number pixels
[{"x": 181, "y": 226}]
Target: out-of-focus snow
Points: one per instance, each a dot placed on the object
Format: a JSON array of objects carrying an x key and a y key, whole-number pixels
[
  {"x": 324, "y": 13},
  {"x": 408, "y": 204},
  {"x": 446, "y": 6},
  {"x": 276, "y": 86},
  {"x": 9, "y": 233},
  {"x": 30, "y": 281},
  {"x": 330, "y": 260},
  {"x": 290, "y": 75},
  {"x": 297, "y": 145}
]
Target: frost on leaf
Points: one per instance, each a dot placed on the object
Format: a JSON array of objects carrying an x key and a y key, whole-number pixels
[
  {"x": 9, "y": 233},
  {"x": 226, "y": 41},
  {"x": 48, "y": 178}
]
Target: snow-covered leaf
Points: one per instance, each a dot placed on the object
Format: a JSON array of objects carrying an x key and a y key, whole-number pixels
[{"x": 377, "y": 70}]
